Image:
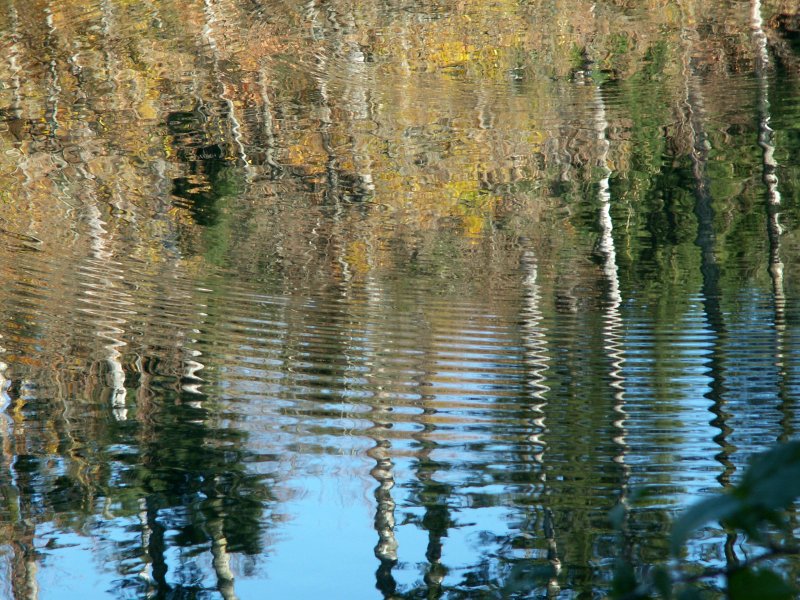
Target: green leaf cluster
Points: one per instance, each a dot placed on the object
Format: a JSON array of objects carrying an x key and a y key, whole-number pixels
[
  {"x": 769, "y": 486},
  {"x": 756, "y": 506}
]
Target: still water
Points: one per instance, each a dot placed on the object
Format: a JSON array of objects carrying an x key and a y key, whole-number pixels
[{"x": 390, "y": 299}]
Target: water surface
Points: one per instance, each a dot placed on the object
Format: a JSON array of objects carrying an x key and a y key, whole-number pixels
[{"x": 387, "y": 301}]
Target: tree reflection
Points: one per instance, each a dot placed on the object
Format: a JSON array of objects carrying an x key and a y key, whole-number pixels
[
  {"x": 456, "y": 156},
  {"x": 196, "y": 492},
  {"x": 710, "y": 269}
]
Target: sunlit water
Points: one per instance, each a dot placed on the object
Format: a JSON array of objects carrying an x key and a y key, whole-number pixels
[{"x": 397, "y": 300}]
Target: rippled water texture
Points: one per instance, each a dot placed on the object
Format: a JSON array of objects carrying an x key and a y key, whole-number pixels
[{"x": 387, "y": 299}]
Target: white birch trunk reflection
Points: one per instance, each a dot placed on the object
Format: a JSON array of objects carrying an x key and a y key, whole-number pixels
[
  {"x": 14, "y": 81},
  {"x": 333, "y": 188},
  {"x": 612, "y": 320},
  {"x": 221, "y": 559},
  {"x": 270, "y": 141},
  {"x": 16, "y": 123},
  {"x": 773, "y": 206},
  {"x": 769, "y": 164},
  {"x": 119, "y": 100},
  {"x": 53, "y": 85},
  {"x": 536, "y": 357},
  {"x": 104, "y": 299},
  {"x": 146, "y": 572},
  {"x": 384, "y": 470},
  {"x": 357, "y": 96},
  {"x": 191, "y": 366},
  {"x": 30, "y": 586},
  {"x": 537, "y": 362},
  {"x": 111, "y": 66},
  {"x": 23, "y": 567},
  {"x": 236, "y": 129},
  {"x": 6, "y": 438}
]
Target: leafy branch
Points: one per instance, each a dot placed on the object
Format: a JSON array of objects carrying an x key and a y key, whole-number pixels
[{"x": 757, "y": 506}]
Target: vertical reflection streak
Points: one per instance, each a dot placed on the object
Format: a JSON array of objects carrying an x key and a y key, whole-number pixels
[
  {"x": 111, "y": 63},
  {"x": 16, "y": 122},
  {"x": 612, "y": 327},
  {"x": 5, "y": 402},
  {"x": 612, "y": 319},
  {"x": 432, "y": 495},
  {"x": 145, "y": 574},
  {"x": 15, "y": 82},
  {"x": 221, "y": 559},
  {"x": 9, "y": 489},
  {"x": 156, "y": 546},
  {"x": 236, "y": 128},
  {"x": 191, "y": 380},
  {"x": 705, "y": 241},
  {"x": 52, "y": 108},
  {"x": 23, "y": 560},
  {"x": 709, "y": 266},
  {"x": 53, "y": 87},
  {"x": 269, "y": 125},
  {"x": 104, "y": 301},
  {"x": 535, "y": 354},
  {"x": 24, "y": 567},
  {"x": 111, "y": 322},
  {"x": 360, "y": 103},
  {"x": 114, "y": 76},
  {"x": 325, "y": 111},
  {"x": 538, "y": 363},
  {"x": 773, "y": 206},
  {"x": 383, "y": 471}
]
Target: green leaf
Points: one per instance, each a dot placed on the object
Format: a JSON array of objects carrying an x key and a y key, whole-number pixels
[
  {"x": 624, "y": 583},
  {"x": 690, "y": 593},
  {"x": 752, "y": 518},
  {"x": 746, "y": 584},
  {"x": 617, "y": 516},
  {"x": 715, "y": 508},
  {"x": 662, "y": 582},
  {"x": 773, "y": 478}
]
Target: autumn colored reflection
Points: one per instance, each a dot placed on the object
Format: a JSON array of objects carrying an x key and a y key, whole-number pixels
[{"x": 387, "y": 300}]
